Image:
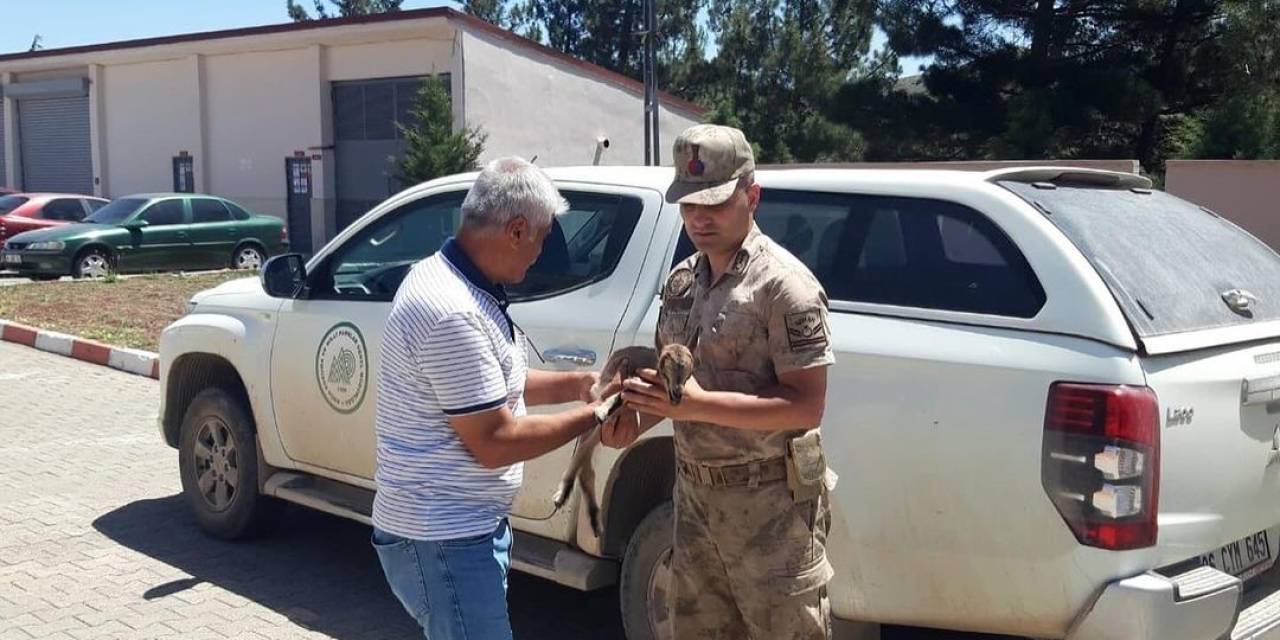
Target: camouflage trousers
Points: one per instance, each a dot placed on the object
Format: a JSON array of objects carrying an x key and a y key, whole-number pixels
[{"x": 749, "y": 563}]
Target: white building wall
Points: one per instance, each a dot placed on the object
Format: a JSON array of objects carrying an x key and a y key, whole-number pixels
[
  {"x": 387, "y": 59},
  {"x": 530, "y": 103},
  {"x": 150, "y": 112},
  {"x": 414, "y": 57},
  {"x": 260, "y": 108}
]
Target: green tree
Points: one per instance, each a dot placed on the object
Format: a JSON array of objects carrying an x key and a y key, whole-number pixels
[
  {"x": 492, "y": 11},
  {"x": 1053, "y": 78},
  {"x": 341, "y": 8},
  {"x": 1245, "y": 122},
  {"x": 433, "y": 148},
  {"x": 772, "y": 67},
  {"x": 778, "y": 69}
]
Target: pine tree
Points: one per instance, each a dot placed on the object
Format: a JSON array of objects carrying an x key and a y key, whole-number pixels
[
  {"x": 342, "y": 8},
  {"x": 433, "y": 148}
]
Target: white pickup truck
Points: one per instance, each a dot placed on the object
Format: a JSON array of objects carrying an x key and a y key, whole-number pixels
[{"x": 1055, "y": 410}]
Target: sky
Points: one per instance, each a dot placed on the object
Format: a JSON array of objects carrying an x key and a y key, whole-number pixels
[{"x": 68, "y": 23}]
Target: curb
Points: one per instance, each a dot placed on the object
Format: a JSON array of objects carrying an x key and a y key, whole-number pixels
[{"x": 135, "y": 361}]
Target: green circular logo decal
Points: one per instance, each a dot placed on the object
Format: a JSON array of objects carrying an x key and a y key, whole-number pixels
[{"x": 342, "y": 367}]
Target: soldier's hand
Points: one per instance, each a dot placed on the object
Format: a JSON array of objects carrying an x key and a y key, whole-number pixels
[
  {"x": 647, "y": 394},
  {"x": 621, "y": 430}
]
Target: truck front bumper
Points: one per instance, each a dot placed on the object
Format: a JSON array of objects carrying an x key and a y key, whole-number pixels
[{"x": 1201, "y": 604}]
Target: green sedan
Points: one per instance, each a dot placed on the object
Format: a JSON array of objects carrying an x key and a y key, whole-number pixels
[{"x": 149, "y": 232}]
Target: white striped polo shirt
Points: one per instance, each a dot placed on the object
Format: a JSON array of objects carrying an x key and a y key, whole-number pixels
[{"x": 449, "y": 349}]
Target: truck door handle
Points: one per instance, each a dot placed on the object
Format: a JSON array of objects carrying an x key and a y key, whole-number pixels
[{"x": 579, "y": 357}]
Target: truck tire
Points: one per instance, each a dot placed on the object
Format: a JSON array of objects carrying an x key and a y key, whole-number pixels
[
  {"x": 646, "y": 572},
  {"x": 218, "y": 464}
]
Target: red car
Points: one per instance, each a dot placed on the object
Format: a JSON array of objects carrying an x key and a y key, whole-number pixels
[{"x": 29, "y": 211}]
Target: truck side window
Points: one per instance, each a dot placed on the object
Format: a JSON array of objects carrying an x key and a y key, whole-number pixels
[
  {"x": 372, "y": 264},
  {"x": 908, "y": 252},
  {"x": 584, "y": 246}
]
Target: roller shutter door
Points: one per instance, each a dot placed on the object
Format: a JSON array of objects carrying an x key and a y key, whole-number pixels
[{"x": 54, "y": 136}]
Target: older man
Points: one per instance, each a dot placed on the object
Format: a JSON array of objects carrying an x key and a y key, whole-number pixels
[{"x": 451, "y": 423}]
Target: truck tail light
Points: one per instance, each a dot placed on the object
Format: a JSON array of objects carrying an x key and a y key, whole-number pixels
[{"x": 1101, "y": 462}]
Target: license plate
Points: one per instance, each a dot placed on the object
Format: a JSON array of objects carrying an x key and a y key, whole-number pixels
[
  {"x": 1244, "y": 558},
  {"x": 10, "y": 258}
]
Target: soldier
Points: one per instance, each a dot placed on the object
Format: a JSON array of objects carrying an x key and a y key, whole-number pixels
[{"x": 751, "y": 503}]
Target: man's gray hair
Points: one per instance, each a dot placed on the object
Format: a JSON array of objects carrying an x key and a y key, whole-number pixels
[{"x": 510, "y": 188}]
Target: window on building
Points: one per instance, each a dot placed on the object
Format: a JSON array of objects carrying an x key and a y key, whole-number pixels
[{"x": 370, "y": 109}]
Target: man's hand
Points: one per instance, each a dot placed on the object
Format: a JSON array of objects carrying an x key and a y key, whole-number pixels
[
  {"x": 587, "y": 381},
  {"x": 646, "y": 393},
  {"x": 558, "y": 387}
]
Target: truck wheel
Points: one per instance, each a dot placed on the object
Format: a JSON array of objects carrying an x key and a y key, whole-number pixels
[
  {"x": 218, "y": 463},
  {"x": 646, "y": 576}
]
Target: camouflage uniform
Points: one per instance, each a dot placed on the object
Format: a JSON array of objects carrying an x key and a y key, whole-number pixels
[{"x": 748, "y": 560}]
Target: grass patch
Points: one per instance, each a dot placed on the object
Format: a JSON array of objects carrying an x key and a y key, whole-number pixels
[{"x": 125, "y": 312}]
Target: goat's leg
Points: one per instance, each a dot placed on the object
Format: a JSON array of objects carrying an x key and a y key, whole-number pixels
[{"x": 581, "y": 456}]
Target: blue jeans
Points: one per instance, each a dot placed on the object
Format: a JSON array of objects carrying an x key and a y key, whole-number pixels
[{"x": 455, "y": 589}]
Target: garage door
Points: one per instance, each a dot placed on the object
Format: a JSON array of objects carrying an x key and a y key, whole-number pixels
[
  {"x": 4, "y": 182},
  {"x": 365, "y": 136},
  {"x": 54, "y": 136}
]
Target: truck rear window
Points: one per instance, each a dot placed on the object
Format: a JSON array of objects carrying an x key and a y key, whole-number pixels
[{"x": 1168, "y": 262}]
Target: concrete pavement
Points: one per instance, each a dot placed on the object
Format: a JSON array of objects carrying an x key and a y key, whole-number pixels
[{"x": 96, "y": 542}]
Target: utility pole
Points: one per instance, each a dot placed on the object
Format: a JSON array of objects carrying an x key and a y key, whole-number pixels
[{"x": 652, "y": 153}]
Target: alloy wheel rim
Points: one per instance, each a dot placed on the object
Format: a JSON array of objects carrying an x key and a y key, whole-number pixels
[{"x": 217, "y": 464}]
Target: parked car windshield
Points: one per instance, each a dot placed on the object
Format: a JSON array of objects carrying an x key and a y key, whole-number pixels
[
  {"x": 116, "y": 212},
  {"x": 9, "y": 203}
]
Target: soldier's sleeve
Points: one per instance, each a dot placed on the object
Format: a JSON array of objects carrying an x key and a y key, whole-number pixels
[
  {"x": 799, "y": 331},
  {"x": 673, "y": 300}
]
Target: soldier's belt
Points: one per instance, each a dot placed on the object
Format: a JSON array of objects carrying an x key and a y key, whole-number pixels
[{"x": 748, "y": 473}]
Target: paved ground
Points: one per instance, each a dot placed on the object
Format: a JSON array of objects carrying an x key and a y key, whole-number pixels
[{"x": 95, "y": 541}]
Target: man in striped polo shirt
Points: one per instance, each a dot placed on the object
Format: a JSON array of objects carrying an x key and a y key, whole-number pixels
[{"x": 451, "y": 423}]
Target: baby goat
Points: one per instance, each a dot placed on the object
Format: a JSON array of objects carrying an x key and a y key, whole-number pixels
[{"x": 674, "y": 363}]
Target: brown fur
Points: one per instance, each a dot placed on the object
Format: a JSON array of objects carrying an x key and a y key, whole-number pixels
[{"x": 674, "y": 363}]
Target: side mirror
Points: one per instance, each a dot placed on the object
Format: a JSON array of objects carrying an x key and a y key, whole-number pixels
[
  {"x": 284, "y": 275},
  {"x": 135, "y": 224}
]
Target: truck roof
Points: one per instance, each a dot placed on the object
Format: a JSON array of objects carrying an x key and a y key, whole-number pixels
[{"x": 779, "y": 176}]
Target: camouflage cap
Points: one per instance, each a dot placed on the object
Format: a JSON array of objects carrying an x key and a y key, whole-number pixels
[{"x": 709, "y": 159}]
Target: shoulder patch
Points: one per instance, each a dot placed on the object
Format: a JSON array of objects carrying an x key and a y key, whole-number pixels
[
  {"x": 678, "y": 284},
  {"x": 806, "y": 330}
]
